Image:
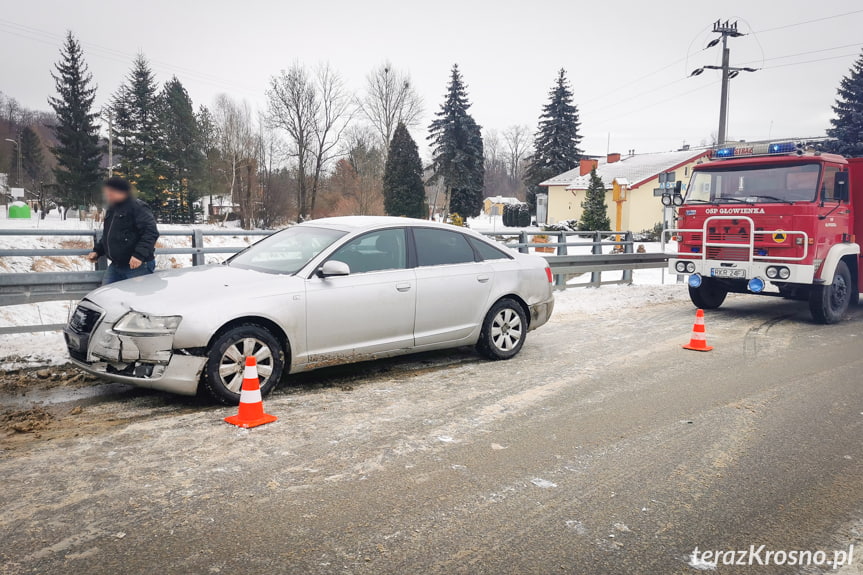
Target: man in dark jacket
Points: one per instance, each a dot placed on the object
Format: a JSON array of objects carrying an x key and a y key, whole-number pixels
[{"x": 129, "y": 234}]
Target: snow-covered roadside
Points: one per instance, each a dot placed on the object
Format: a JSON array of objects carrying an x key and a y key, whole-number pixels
[
  {"x": 48, "y": 348},
  {"x": 38, "y": 349}
]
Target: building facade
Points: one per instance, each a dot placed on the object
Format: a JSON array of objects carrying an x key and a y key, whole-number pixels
[{"x": 633, "y": 179}]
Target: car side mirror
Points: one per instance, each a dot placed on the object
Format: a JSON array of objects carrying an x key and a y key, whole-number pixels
[
  {"x": 334, "y": 268},
  {"x": 840, "y": 187}
]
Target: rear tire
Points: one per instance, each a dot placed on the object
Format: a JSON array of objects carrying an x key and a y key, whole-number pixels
[
  {"x": 504, "y": 330},
  {"x": 828, "y": 303},
  {"x": 709, "y": 295},
  {"x": 226, "y": 358}
]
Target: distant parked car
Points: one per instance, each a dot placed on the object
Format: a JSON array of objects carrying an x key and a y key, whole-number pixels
[{"x": 326, "y": 292}]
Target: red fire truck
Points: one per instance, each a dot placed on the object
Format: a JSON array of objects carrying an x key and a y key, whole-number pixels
[{"x": 772, "y": 219}]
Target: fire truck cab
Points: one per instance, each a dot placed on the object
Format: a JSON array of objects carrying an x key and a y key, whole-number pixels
[{"x": 772, "y": 219}]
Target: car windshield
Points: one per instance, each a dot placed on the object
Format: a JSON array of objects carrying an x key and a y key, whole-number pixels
[
  {"x": 755, "y": 184},
  {"x": 286, "y": 252}
]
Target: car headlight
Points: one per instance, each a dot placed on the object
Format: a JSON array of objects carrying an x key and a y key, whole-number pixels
[
  {"x": 772, "y": 272},
  {"x": 690, "y": 267},
  {"x": 784, "y": 273},
  {"x": 138, "y": 323}
]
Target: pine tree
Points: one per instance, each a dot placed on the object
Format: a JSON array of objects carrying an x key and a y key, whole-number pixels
[
  {"x": 458, "y": 151},
  {"x": 137, "y": 132},
  {"x": 594, "y": 215},
  {"x": 77, "y": 150},
  {"x": 180, "y": 147},
  {"x": 32, "y": 158},
  {"x": 557, "y": 140},
  {"x": 404, "y": 192},
  {"x": 848, "y": 124}
]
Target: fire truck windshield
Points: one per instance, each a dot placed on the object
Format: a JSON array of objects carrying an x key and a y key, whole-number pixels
[{"x": 755, "y": 184}]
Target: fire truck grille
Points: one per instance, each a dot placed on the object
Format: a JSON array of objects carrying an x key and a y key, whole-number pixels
[
  {"x": 728, "y": 254},
  {"x": 730, "y": 238}
]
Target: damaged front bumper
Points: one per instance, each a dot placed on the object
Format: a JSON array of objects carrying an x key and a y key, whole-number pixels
[{"x": 145, "y": 361}]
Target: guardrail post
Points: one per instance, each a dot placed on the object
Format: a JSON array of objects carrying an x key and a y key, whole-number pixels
[
  {"x": 596, "y": 277},
  {"x": 102, "y": 262},
  {"x": 522, "y": 239},
  {"x": 560, "y": 279},
  {"x": 628, "y": 248},
  {"x": 198, "y": 258}
]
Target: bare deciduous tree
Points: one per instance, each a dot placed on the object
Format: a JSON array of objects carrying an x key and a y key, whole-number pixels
[
  {"x": 334, "y": 113},
  {"x": 314, "y": 111},
  {"x": 390, "y": 98},
  {"x": 293, "y": 107},
  {"x": 236, "y": 141},
  {"x": 517, "y": 140}
]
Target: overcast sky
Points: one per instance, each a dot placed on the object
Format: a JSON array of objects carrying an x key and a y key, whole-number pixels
[{"x": 627, "y": 59}]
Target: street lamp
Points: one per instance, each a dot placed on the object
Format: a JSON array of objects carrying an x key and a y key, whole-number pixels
[{"x": 18, "y": 170}]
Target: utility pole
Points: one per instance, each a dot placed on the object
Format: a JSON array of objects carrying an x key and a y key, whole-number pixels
[
  {"x": 110, "y": 114},
  {"x": 726, "y": 30},
  {"x": 18, "y": 171}
]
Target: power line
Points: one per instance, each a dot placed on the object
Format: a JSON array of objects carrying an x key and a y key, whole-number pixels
[
  {"x": 810, "y": 61},
  {"x": 639, "y": 95},
  {"x": 633, "y": 81},
  {"x": 805, "y": 53},
  {"x": 665, "y": 100},
  {"x": 813, "y": 21},
  {"x": 52, "y": 39}
]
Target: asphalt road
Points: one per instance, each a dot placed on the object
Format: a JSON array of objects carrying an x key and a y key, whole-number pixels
[{"x": 603, "y": 448}]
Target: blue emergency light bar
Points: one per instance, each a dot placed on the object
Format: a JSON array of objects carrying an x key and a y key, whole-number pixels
[
  {"x": 758, "y": 150},
  {"x": 782, "y": 148}
]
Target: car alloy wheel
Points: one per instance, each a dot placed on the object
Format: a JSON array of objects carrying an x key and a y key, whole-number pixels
[
  {"x": 506, "y": 330},
  {"x": 233, "y": 362}
]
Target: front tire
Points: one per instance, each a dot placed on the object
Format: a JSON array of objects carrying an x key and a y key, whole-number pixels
[
  {"x": 223, "y": 377},
  {"x": 709, "y": 295},
  {"x": 828, "y": 303},
  {"x": 504, "y": 330}
]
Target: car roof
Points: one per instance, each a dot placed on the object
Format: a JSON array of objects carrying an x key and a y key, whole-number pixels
[{"x": 359, "y": 223}]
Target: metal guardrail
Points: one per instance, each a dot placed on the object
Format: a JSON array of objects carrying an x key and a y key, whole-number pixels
[
  {"x": 563, "y": 265},
  {"x": 25, "y": 288}
]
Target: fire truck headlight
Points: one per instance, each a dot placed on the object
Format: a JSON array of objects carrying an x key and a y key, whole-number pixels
[
  {"x": 695, "y": 281},
  {"x": 772, "y": 272},
  {"x": 680, "y": 267},
  {"x": 690, "y": 268},
  {"x": 784, "y": 273},
  {"x": 756, "y": 285}
]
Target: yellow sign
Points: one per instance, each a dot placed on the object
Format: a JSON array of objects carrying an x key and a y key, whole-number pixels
[{"x": 780, "y": 236}]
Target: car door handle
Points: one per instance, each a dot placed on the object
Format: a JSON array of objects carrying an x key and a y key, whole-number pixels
[
  {"x": 403, "y": 286},
  {"x": 482, "y": 279}
]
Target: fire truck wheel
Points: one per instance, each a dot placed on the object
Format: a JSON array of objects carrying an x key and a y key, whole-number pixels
[
  {"x": 709, "y": 295},
  {"x": 828, "y": 303}
]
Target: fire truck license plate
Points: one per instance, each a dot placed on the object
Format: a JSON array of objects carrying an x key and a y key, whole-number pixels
[{"x": 728, "y": 273}]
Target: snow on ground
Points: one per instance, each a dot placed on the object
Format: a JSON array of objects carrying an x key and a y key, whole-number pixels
[
  {"x": 47, "y": 348},
  {"x": 22, "y": 350}
]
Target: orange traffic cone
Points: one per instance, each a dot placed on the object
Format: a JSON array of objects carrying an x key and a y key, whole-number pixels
[
  {"x": 698, "y": 342},
  {"x": 251, "y": 413}
]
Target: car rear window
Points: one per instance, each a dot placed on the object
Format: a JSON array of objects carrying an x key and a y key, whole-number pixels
[
  {"x": 488, "y": 251},
  {"x": 442, "y": 247}
]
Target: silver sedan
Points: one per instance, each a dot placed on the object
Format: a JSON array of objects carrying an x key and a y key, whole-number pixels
[{"x": 322, "y": 293}]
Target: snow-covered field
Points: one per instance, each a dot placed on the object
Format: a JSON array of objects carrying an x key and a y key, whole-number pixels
[{"x": 35, "y": 349}]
